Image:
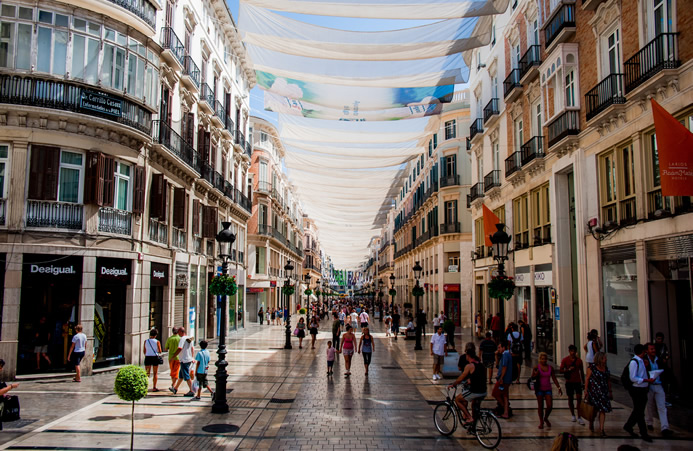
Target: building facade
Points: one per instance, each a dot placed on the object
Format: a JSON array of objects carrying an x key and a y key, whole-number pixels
[
  {"x": 312, "y": 262},
  {"x": 276, "y": 226},
  {"x": 119, "y": 174}
]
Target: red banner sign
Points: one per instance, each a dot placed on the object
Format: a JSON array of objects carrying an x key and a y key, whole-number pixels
[
  {"x": 675, "y": 151},
  {"x": 451, "y": 287}
]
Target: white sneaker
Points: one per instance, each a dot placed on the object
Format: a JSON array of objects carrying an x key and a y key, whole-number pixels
[
  {"x": 573, "y": 419},
  {"x": 435, "y": 377},
  {"x": 581, "y": 422}
]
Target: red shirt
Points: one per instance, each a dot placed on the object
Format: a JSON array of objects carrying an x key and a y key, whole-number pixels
[
  {"x": 571, "y": 368},
  {"x": 496, "y": 323}
]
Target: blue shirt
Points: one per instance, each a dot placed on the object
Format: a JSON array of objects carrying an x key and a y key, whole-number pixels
[
  {"x": 654, "y": 366},
  {"x": 506, "y": 360},
  {"x": 202, "y": 357}
]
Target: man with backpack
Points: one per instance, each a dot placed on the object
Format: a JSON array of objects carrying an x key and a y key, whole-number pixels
[
  {"x": 515, "y": 339},
  {"x": 637, "y": 381}
]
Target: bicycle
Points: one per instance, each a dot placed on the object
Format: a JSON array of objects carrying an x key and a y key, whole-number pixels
[{"x": 485, "y": 425}]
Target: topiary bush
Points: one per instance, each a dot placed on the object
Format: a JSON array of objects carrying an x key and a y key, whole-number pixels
[
  {"x": 302, "y": 311},
  {"x": 131, "y": 384}
]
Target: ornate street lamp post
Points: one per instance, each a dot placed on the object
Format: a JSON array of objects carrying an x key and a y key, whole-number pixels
[
  {"x": 308, "y": 303},
  {"x": 500, "y": 241},
  {"x": 287, "y": 304},
  {"x": 380, "y": 297},
  {"x": 225, "y": 238},
  {"x": 419, "y": 317},
  {"x": 392, "y": 286}
]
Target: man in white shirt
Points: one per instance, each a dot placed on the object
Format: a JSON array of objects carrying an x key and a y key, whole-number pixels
[
  {"x": 354, "y": 319},
  {"x": 185, "y": 353},
  {"x": 436, "y": 322},
  {"x": 363, "y": 318},
  {"x": 639, "y": 391},
  {"x": 439, "y": 352}
]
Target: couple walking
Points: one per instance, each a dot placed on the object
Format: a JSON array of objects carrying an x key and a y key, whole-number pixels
[{"x": 366, "y": 346}]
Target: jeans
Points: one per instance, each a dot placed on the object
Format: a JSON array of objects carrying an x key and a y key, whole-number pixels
[
  {"x": 656, "y": 399},
  {"x": 637, "y": 416},
  {"x": 367, "y": 357}
]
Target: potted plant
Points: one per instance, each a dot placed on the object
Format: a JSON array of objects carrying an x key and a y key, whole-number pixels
[
  {"x": 501, "y": 287},
  {"x": 302, "y": 311},
  {"x": 131, "y": 385},
  {"x": 288, "y": 290},
  {"x": 308, "y": 292},
  {"x": 393, "y": 292},
  {"x": 417, "y": 291},
  {"x": 449, "y": 329},
  {"x": 223, "y": 285}
]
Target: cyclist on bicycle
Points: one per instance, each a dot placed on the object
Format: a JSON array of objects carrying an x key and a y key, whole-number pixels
[{"x": 474, "y": 375}]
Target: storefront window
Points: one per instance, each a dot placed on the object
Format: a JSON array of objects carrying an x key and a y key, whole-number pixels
[
  {"x": 621, "y": 314},
  {"x": 112, "y": 278},
  {"x": 544, "y": 320}
]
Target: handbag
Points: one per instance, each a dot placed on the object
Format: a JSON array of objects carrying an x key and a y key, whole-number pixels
[
  {"x": 532, "y": 383},
  {"x": 158, "y": 356},
  {"x": 296, "y": 332},
  {"x": 10, "y": 408},
  {"x": 586, "y": 411}
]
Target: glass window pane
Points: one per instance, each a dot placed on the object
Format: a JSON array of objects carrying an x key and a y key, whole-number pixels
[
  {"x": 122, "y": 39},
  {"x": 132, "y": 69},
  {"x": 3, "y": 151},
  {"x": 92, "y": 66},
  {"x": 119, "y": 70},
  {"x": 59, "y": 52},
  {"x": 23, "y": 46},
  {"x": 2, "y": 179},
  {"x": 140, "y": 79},
  {"x": 43, "y": 63},
  {"x": 122, "y": 200},
  {"x": 109, "y": 34},
  {"x": 8, "y": 11},
  {"x": 655, "y": 161},
  {"x": 6, "y": 44},
  {"x": 124, "y": 170},
  {"x": 69, "y": 185},
  {"x": 107, "y": 65},
  {"x": 71, "y": 158},
  {"x": 61, "y": 20},
  {"x": 79, "y": 24},
  {"x": 78, "y": 56},
  {"x": 94, "y": 29},
  {"x": 46, "y": 17},
  {"x": 26, "y": 13}
]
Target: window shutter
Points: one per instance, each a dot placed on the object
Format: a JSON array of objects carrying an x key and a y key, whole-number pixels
[
  {"x": 205, "y": 221},
  {"x": 179, "y": 208},
  {"x": 207, "y": 144},
  {"x": 92, "y": 189},
  {"x": 214, "y": 156},
  {"x": 190, "y": 129},
  {"x": 213, "y": 221},
  {"x": 200, "y": 139},
  {"x": 442, "y": 168},
  {"x": 164, "y": 202},
  {"x": 196, "y": 217},
  {"x": 138, "y": 190},
  {"x": 108, "y": 175},
  {"x": 156, "y": 196},
  {"x": 43, "y": 173}
]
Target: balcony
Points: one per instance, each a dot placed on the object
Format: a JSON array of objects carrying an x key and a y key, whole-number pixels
[
  {"x": 54, "y": 215},
  {"x": 229, "y": 191},
  {"x": 476, "y": 128},
  {"x": 173, "y": 48},
  {"x": 174, "y": 143},
  {"x": 658, "y": 55},
  {"x": 607, "y": 93},
  {"x": 564, "y": 126},
  {"x": 248, "y": 149},
  {"x": 561, "y": 25},
  {"x": 219, "y": 117},
  {"x": 197, "y": 245},
  {"x": 512, "y": 88},
  {"x": 521, "y": 240},
  {"x": 142, "y": 9},
  {"x": 115, "y": 221},
  {"x": 179, "y": 238},
  {"x": 67, "y": 96},
  {"x": 218, "y": 182},
  {"x": 207, "y": 172},
  {"x": 512, "y": 164},
  {"x": 492, "y": 180},
  {"x": 244, "y": 201},
  {"x": 229, "y": 127},
  {"x": 591, "y": 5},
  {"x": 491, "y": 111},
  {"x": 264, "y": 187},
  {"x": 542, "y": 235},
  {"x": 532, "y": 154},
  {"x": 469, "y": 143},
  {"x": 450, "y": 180},
  {"x": 659, "y": 206},
  {"x": 240, "y": 139},
  {"x": 158, "y": 231},
  {"x": 529, "y": 63},
  {"x": 191, "y": 74},
  {"x": 207, "y": 98},
  {"x": 264, "y": 229},
  {"x": 476, "y": 192},
  {"x": 449, "y": 227}
]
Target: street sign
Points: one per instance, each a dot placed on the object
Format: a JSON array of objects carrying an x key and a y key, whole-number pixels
[
  {"x": 553, "y": 295},
  {"x": 558, "y": 313}
]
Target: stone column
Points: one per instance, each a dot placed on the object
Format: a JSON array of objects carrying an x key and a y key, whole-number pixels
[
  {"x": 15, "y": 197},
  {"x": 10, "y": 314},
  {"x": 86, "y": 311}
]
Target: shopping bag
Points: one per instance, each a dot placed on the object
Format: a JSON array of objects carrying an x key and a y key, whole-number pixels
[
  {"x": 296, "y": 332},
  {"x": 195, "y": 386},
  {"x": 586, "y": 411}
]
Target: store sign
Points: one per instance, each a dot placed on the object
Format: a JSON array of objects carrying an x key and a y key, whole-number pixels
[
  {"x": 254, "y": 290},
  {"x": 114, "y": 269},
  {"x": 53, "y": 267},
  {"x": 273, "y": 283},
  {"x": 53, "y": 270},
  {"x": 159, "y": 275},
  {"x": 451, "y": 287},
  {"x": 101, "y": 103},
  {"x": 522, "y": 279},
  {"x": 453, "y": 268},
  {"x": 543, "y": 278}
]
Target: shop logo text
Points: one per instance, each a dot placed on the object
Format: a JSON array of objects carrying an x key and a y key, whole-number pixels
[
  {"x": 113, "y": 272},
  {"x": 54, "y": 270},
  {"x": 158, "y": 274}
]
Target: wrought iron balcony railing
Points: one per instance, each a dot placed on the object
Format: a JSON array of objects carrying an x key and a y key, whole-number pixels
[
  {"x": 476, "y": 128},
  {"x": 141, "y": 8},
  {"x": 608, "y": 92},
  {"x": 167, "y": 137},
  {"x": 511, "y": 82},
  {"x": 659, "y": 54},
  {"x": 564, "y": 125},
  {"x": 191, "y": 70},
  {"x": 531, "y": 58},
  {"x": 532, "y": 149},
  {"x": 51, "y": 214},
  {"x": 564, "y": 18},
  {"x": 492, "y": 180},
  {"x": 512, "y": 164},
  {"x": 170, "y": 41},
  {"x": 112, "y": 220},
  {"x": 491, "y": 109}
]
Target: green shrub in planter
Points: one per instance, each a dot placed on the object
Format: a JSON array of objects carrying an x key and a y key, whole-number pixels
[
  {"x": 131, "y": 384},
  {"x": 302, "y": 311}
]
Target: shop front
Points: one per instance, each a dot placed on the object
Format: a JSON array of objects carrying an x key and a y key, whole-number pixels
[
  {"x": 523, "y": 294},
  {"x": 113, "y": 276},
  {"x": 452, "y": 302},
  {"x": 545, "y": 308},
  {"x": 49, "y": 310},
  {"x": 158, "y": 283}
]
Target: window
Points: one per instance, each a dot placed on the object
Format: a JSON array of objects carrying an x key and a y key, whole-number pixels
[
  {"x": 263, "y": 137},
  {"x": 660, "y": 18},
  {"x": 500, "y": 213},
  {"x": 479, "y": 239},
  {"x": 519, "y": 134},
  {"x": 541, "y": 215},
  {"x": 260, "y": 260},
  {"x": 516, "y": 56},
  {"x": 496, "y": 155},
  {"x": 15, "y": 38},
  {"x": 122, "y": 186},
  {"x": 493, "y": 33},
  {"x": 70, "y": 177},
  {"x": 570, "y": 89},
  {"x": 611, "y": 53},
  {"x": 521, "y": 222},
  {"x": 534, "y": 32},
  {"x": 451, "y": 212},
  {"x": 494, "y": 87},
  {"x": 617, "y": 183},
  {"x": 480, "y": 169},
  {"x": 4, "y": 154},
  {"x": 451, "y": 165},
  {"x": 435, "y": 141},
  {"x": 536, "y": 109}
]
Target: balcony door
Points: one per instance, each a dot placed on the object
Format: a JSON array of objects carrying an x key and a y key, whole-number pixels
[
  {"x": 660, "y": 18},
  {"x": 611, "y": 60}
]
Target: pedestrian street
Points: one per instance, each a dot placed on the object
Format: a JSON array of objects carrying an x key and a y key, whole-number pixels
[{"x": 283, "y": 400}]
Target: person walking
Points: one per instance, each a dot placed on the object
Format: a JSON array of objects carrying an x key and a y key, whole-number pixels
[
  {"x": 497, "y": 328},
  {"x": 638, "y": 393},
  {"x": 598, "y": 390},
  {"x": 395, "y": 323},
  {"x": 489, "y": 321},
  {"x": 436, "y": 322},
  {"x": 336, "y": 329},
  {"x": 77, "y": 351},
  {"x": 286, "y": 315},
  {"x": 364, "y": 318},
  {"x": 173, "y": 361},
  {"x": 544, "y": 374},
  {"x": 261, "y": 315},
  {"x": 267, "y": 316},
  {"x": 301, "y": 327},
  {"x": 573, "y": 370},
  {"x": 313, "y": 326},
  {"x": 593, "y": 346},
  {"x": 439, "y": 351},
  {"x": 342, "y": 317},
  {"x": 477, "y": 324},
  {"x": 656, "y": 399},
  {"x": 331, "y": 353},
  {"x": 488, "y": 348},
  {"x": 354, "y": 319},
  {"x": 185, "y": 354},
  {"x": 366, "y": 347},
  {"x": 501, "y": 391},
  {"x": 347, "y": 348},
  {"x": 273, "y": 316},
  {"x": 526, "y": 332},
  {"x": 388, "y": 325},
  {"x": 152, "y": 349},
  {"x": 515, "y": 339},
  {"x": 421, "y": 321},
  {"x": 202, "y": 359}
]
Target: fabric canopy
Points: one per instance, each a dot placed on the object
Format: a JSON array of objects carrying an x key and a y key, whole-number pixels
[
  {"x": 387, "y": 9},
  {"x": 295, "y": 159},
  {"x": 359, "y": 150}
]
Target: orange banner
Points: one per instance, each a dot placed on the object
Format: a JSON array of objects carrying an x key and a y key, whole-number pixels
[
  {"x": 490, "y": 221},
  {"x": 675, "y": 150}
]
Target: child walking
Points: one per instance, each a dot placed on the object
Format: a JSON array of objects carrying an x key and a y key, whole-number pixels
[
  {"x": 331, "y": 352},
  {"x": 202, "y": 359}
]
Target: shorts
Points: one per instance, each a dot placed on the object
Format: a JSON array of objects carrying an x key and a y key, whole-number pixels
[
  {"x": 330, "y": 363},
  {"x": 42, "y": 349},
  {"x": 151, "y": 360},
  {"x": 438, "y": 359},
  {"x": 543, "y": 392},
  {"x": 174, "y": 366},
  {"x": 341, "y": 322},
  {"x": 77, "y": 358},
  {"x": 202, "y": 379},
  {"x": 313, "y": 330},
  {"x": 348, "y": 351},
  {"x": 184, "y": 372},
  {"x": 469, "y": 396},
  {"x": 489, "y": 363},
  {"x": 573, "y": 388},
  {"x": 364, "y": 325}
]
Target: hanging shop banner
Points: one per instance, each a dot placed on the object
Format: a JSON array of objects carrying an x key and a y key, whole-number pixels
[
  {"x": 114, "y": 270},
  {"x": 543, "y": 278},
  {"x": 522, "y": 276},
  {"x": 159, "y": 275},
  {"x": 451, "y": 287},
  {"x": 53, "y": 268},
  {"x": 675, "y": 151}
]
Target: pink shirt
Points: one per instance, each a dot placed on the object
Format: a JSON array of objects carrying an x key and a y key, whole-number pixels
[{"x": 330, "y": 354}]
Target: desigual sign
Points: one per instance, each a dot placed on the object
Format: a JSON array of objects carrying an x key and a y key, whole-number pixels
[
  {"x": 159, "y": 275},
  {"x": 53, "y": 270},
  {"x": 113, "y": 270}
]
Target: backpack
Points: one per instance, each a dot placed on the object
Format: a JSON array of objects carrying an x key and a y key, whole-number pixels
[
  {"x": 10, "y": 411},
  {"x": 516, "y": 346},
  {"x": 625, "y": 376}
]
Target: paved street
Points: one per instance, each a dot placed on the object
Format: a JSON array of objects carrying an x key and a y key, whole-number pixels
[{"x": 284, "y": 400}]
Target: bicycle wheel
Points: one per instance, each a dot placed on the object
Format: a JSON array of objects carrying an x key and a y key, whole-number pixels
[
  {"x": 487, "y": 430},
  {"x": 445, "y": 418}
]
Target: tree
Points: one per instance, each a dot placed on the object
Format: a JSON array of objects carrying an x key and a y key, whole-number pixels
[{"x": 131, "y": 384}]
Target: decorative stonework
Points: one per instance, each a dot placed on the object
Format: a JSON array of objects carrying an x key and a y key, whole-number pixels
[
  {"x": 517, "y": 178},
  {"x": 533, "y": 91},
  {"x": 605, "y": 16},
  {"x": 529, "y": 10},
  {"x": 493, "y": 66},
  {"x": 516, "y": 110},
  {"x": 494, "y": 133}
]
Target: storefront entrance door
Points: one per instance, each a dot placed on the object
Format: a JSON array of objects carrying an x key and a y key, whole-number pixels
[{"x": 544, "y": 321}]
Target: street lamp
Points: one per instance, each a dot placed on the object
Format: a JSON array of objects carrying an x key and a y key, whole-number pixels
[
  {"x": 500, "y": 241},
  {"x": 308, "y": 303},
  {"x": 225, "y": 238},
  {"x": 380, "y": 296},
  {"x": 287, "y": 269},
  {"x": 419, "y": 317}
]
